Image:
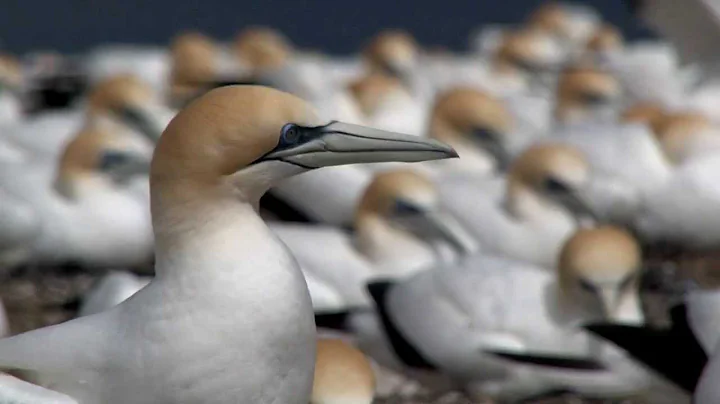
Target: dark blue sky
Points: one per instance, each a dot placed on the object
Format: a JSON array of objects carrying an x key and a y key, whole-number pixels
[{"x": 337, "y": 26}]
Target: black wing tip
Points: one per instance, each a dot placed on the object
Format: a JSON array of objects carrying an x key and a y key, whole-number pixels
[{"x": 550, "y": 361}]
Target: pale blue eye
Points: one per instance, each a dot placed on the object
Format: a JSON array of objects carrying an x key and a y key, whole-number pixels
[
  {"x": 290, "y": 134},
  {"x": 112, "y": 159}
]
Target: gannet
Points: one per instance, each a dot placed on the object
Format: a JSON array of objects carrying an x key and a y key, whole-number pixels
[
  {"x": 198, "y": 64},
  {"x": 228, "y": 316},
  {"x": 85, "y": 210},
  {"x": 149, "y": 63},
  {"x": 482, "y": 321},
  {"x": 605, "y": 41},
  {"x": 573, "y": 24},
  {"x": 124, "y": 98},
  {"x": 529, "y": 215},
  {"x": 386, "y": 104},
  {"x": 525, "y": 60},
  {"x": 272, "y": 60},
  {"x": 587, "y": 94},
  {"x": 399, "y": 229},
  {"x": 686, "y": 345},
  {"x": 11, "y": 85},
  {"x": 476, "y": 124}
]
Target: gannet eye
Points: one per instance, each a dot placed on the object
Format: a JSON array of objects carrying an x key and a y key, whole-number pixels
[
  {"x": 112, "y": 159},
  {"x": 556, "y": 187},
  {"x": 406, "y": 208},
  {"x": 587, "y": 286},
  {"x": 290, "y": 135}
]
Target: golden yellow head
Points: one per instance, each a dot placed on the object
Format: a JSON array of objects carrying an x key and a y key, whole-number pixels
[
  {"x": 528, "y": 50},
  {"x": 373, "y": 89},
  {"x": 547, "y": 165},
  {"x": 466, "y": 117},
  {"x": 581, "y": 91},
  {"x": 263, "y": 48},
  {"x": 120, "y": 92},
  {"x": 607, "y": 38},
  {"x": 95, "y": 152},
  {"x": 602, "y": 266},
  {"x": 567, "y": 22},
  {"x": 193, "y": 59},
  {"x": 676, "y": 132},
  {"x": 649, "y": 113},
  {"x": 392, "y": 52},
  {"x": 11, "y": 73},
  {"x": 343, "y": 375},
  {"x": 250, "y": 137},
  {"x": 387, "y": 188}
]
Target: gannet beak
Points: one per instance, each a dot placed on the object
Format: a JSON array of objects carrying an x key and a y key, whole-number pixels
[
  {"x": 490, "y": 142},
  {"x": 340, "y": 143},
  {"x": 443, "y": 227},
  {"x": 433, "y": 225},
  {"x": 575, "y": 203},
  {"x": 150, "y": 121}
]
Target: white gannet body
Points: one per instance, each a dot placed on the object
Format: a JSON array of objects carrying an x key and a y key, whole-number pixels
[
  {"x": 123, "y": 97},
  {"x": 21, "y": 227},
  {"x": 84, "y": 212},
  {"x": 398, "y": 231},
  {"x": 150, "y": 64},
  {"x": 529, "y": 215},
  {"x": 460, "y": 318},
  {"x": 228, "y": 314}
]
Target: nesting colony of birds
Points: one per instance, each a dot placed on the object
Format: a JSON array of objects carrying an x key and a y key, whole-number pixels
[{"x": 248, "y": 222}]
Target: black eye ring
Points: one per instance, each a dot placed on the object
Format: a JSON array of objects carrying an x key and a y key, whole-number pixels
[
  {"x": 290, "y": 134},
  {"x": 556, "y": 186},
  {"x": 587, "y": 286}
]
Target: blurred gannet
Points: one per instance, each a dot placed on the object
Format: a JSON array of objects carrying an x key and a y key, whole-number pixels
[
  {"x": 399, "y": 229},
  {"x": 206, "y": 327},
  {"x": 475, "y": 320},
  {"x": 525, "y": 60},
  {"x": 386, "y": 104},
  {"x": 587, "y": 95},
  {"x": 687, "y": 344},
  {"x": 477, "y": 125},
  {"x": 606, "y": 42},
  {"x": 198, "y": 64},
  {"x": 151, "y": 64},
  {"x": 123, "y": 98},
  {"x": 11, "y": 84},
  {"x": 571, "y": 23},
  {"x": 343, "y": 375},
  {"x": 273, "y": 60},
  {"x": 86, "y": 213},
  {"x": 544, "y": 199}
]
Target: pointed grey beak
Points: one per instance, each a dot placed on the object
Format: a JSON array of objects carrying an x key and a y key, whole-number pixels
[
  {"x": 577, "y": 206},
  {"x": 443, "y": 227},
  {"x": 340, "y": 143},
  {"x": 432, "y": 225}
]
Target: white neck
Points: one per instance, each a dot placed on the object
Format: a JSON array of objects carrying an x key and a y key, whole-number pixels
[
  {"x": 630, "y": 311},
  {"x": 528, "y": 206},
  {"x": 391, "y": 249},
  {"x": 473, "y": 160}
]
